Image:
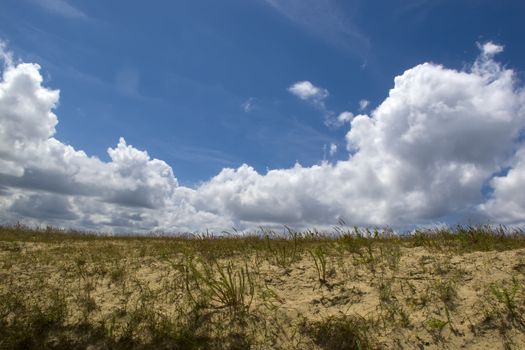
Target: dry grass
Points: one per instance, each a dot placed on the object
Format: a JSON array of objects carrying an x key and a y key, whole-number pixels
[{"x": 351, "y": 289}]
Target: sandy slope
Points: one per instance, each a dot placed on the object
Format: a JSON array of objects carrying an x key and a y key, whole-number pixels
[{"x": 403, "y": 297}]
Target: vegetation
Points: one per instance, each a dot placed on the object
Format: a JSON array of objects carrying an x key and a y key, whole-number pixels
[{"x": 349, "y": 289}]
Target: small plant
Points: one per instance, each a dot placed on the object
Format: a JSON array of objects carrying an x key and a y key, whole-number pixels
[
  {"x": 447, "y": 293},
  {"x": 504, "y": 309},
  {"x": 507, "y": 297},
  {"x": 436, "y": 324},
  {"x": 435, "y": 327},
  {"x": 117, "y": 274},
  {"x": 390, "y": 308},
  {"x": 283, "y": 253},
  {"x": 391, "y": 254},
  {"x": 319, "y": 256},
  {"x": 339, "y": 332},
  {"x": 225, "y": 287}
]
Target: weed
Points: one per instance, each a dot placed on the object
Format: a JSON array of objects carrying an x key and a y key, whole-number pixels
[
  {"x": 283, "y": 253},
  {"x": 391, "y": 254},
  {"x": 339, "y": 332},
  {"x": 225, "y": 287},
  {"x": 447, "y": 293},
  {"x": 508, "y": 303},
  {"x": 391, "y": 310},
  {"x": 117, "y": 274},
  {"x": 436, "y": 324},
  {"x": 319, "y": 257},
  {"x": 435, "y": 327}
]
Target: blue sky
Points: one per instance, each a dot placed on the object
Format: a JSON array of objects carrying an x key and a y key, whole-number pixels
[
  {"x": 171, "y": 77},
  {"x": 208, "y": 85}
]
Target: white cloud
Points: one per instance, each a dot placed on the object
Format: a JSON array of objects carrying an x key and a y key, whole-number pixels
[
  {"x": 345, "y": 117},
  {"x": 26, "y": 114},
  {"x": 315, "y": 95},
  {"x": 424, "y": 154},
  {"x": 507, "y": 203},
  {"x": 490, "y": 49},
  {"x": 307, "y": 91},
  {"x": 363, "y": 104},
  {"x": 333, "y": 149},
  {"x": 5, "y": 55},
  {"x": 131, "y": 192}
]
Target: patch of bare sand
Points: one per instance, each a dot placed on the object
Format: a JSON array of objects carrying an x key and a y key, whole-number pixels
[{"x": 424, "y": 288}]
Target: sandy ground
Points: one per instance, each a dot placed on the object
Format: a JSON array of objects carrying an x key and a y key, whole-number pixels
[{"x": 405, "y": 297}]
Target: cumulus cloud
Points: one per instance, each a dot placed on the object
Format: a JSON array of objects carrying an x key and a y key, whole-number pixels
[
  {"x": 439, "y": 135},
  {"x": 422, "y": 156},
  {"x": 50, "y": 180},
  {"x": 507, "y": 203},
  {"x": 44, "y": 206},
  {"x": 26, "y": 114},
  {"x": 307, "y": 91}
]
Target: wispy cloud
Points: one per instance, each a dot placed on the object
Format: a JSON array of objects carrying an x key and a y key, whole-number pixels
[
  {"x": 127, "y": 81},
  {"x": 248, "y": 105},
  {"x": 5, "y": 55},
  {"x": 333, "y": 149},
  {"x": 363, "y": 104},
  {"x": 196, "y": 154},
  {"x": 325, "y": 20},
  {"x": 61, "y": 8},
  {"x": 415, "y": 10}
]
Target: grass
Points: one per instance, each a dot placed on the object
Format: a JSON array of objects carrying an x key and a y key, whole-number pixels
[
  {"x": 340, "y": 332},
  {"x": 220, "y": 287},
  {"x": 72, "y": 290},
  {"x": 319, "y": 258}
]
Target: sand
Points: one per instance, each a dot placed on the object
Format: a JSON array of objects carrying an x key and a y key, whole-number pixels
[{"x": 403, "y": 297}]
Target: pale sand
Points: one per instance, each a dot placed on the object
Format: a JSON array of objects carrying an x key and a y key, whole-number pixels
[{"x": 403, "y": 294}]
